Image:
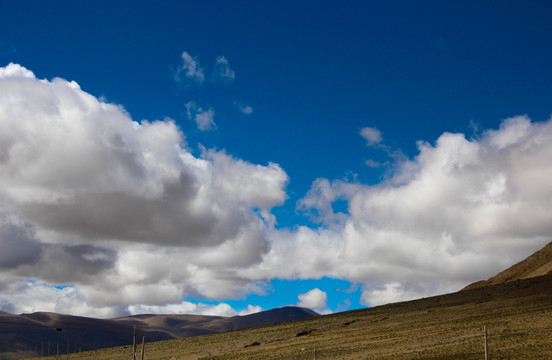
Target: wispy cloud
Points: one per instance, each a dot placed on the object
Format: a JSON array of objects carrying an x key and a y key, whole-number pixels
[
  {"x": 243, "y": 108},
  {"x": 374, "y": 139},
  {"x": 204, "y": 119},
  {"x": 372, "y": 135},
  {"x": 189, "y": 72},
  {"x": 222, "y": 73}
]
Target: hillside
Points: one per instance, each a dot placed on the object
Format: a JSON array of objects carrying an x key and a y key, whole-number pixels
[
  {"x": 538, "y": 264},
  {"x": 26, "y": 334},
  {"x": 518, "y": 315}
]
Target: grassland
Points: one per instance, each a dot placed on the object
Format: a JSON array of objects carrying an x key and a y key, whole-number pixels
[{"x": 518, "y": 316}]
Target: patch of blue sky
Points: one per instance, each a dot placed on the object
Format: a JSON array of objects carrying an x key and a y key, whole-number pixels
[{"x": 342, "y": 295}]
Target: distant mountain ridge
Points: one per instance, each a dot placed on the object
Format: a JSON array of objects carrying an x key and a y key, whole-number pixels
[
  {"x": 538, "y": 264},
  {"x": 32, "y": 334}
]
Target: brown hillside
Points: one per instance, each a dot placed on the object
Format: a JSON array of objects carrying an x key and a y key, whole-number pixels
[
  {"x": 538, "y": 264},
  {"x": 518, "y": 316}
]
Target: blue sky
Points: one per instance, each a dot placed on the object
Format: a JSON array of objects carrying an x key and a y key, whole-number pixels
[{"x": 316, "y": 129}]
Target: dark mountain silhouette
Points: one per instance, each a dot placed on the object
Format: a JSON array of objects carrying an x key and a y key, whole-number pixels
[{"x": 45, "y": 333}]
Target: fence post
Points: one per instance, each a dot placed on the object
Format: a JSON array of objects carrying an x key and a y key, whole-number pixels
[
  {"x": 314, "y": 353},
  {"x": 134, "y": 344},
  {"x": 143, "y": 345},
  {"x": 486, "y": 347}
]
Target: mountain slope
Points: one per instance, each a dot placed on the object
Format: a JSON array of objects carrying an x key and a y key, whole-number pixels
[
  {"x": 43, "y": 333},
  {"x": 518, "y": 316},
  {"x": 538, "y": 264}
]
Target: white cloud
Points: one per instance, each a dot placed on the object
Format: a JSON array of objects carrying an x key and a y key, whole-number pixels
[
  {"x": 318, "y": 202},
  {"x": 189, "y": 73},
  {"x": 222, "y": 72},
  {"x": 121, "y": 211},
  {"x": 131, "y": 217},
  {"x": 244, "y": 109},
  {"x": 204, "y": 119},
  {"x": 15, "y": 70},
  {"x": 25, "y": 296},
  {"x": 460, "y": 211},
  {"x": 374, "y": 164},
  {"x": 392, "y": 292},
  {"x": 313, "y": 299},
  {"x": 185, "y": 307},
  {"x": 372, "y": 135}
]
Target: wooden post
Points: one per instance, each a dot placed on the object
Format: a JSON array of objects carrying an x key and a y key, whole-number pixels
[
  {"x": 143, "y": 345},
  {"x": 486, "y": 347},
  {"x": 134, "y": 344},
  {"x": 314, "y": 353}
]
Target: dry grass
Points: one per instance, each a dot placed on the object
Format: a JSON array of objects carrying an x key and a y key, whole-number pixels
[
  {"x": 518, "y": 316},
  {"x": 538, "y": 264}
]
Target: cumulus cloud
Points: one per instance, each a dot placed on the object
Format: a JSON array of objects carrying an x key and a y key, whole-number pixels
[
  {"x": 123, "y": 216},
  {"x": 18, "y": 243},
  {"x": 120, "y": 212},
  {"x": 460, "y": 211},
  {"x": 204, "y": 119},
  {"x": 313, "y": 299},
  {"x": 319, "y": 202},
  {"x": 15, "y": 70},
  {"x": 27, "y": 296},
  {"x": 222, "y": 73},
  {"x": 189, "y": 72}
]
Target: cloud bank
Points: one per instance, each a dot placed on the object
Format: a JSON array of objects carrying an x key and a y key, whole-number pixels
[
  {"x": 461, "y": 210},
  {"x": 123, "y": 218},
  {"x": 119, "y": 210}
]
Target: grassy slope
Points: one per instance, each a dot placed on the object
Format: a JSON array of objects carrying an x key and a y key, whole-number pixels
[
  {"x": 518, "y": 315},
  {"x": 538, "y": 264}
]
